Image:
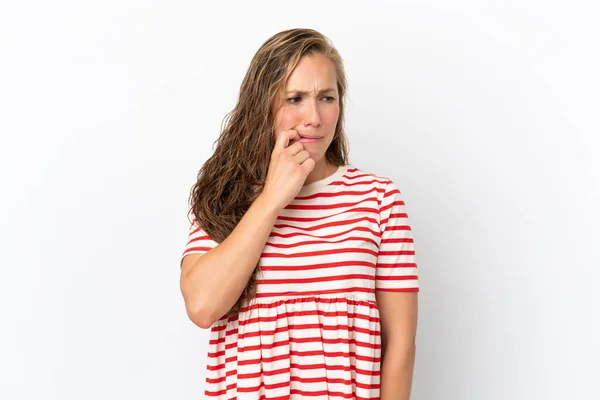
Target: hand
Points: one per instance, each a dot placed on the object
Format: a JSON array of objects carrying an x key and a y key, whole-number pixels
[{"x": 288, "y": 169}]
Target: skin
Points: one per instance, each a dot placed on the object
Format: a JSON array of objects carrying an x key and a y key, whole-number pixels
[
  {"x": 314, "y": 113},
  {"x": 398, "y": 313}
]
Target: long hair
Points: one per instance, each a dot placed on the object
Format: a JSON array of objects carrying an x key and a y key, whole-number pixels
[{"x": 232, "y": 178}]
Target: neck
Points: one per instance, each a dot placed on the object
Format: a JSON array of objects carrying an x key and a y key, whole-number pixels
[{"x": 321, "y": 171}]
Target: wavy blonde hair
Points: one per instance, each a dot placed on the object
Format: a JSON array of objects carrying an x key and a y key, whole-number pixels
[{"x": 231, "y": 179}]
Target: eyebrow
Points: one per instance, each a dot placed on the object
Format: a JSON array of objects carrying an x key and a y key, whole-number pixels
[{"x": 303, "y": 92}]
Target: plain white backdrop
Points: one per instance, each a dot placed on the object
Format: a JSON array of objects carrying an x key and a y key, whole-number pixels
[{"x": 484, "y": 113}]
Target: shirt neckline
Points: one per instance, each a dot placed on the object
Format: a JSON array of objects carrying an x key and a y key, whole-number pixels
[{"x": 323, "y": 182}]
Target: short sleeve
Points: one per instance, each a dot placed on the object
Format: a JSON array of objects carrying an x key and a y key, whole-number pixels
[
  {"x": 396, "y": 263},
  {"x": 198, "y": 242}
]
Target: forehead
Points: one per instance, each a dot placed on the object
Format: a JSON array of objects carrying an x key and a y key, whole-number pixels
[{"x": 312, "y": 74}]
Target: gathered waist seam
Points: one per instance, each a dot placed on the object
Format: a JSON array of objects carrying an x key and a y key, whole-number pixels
[{"x": 276, "y": 302}]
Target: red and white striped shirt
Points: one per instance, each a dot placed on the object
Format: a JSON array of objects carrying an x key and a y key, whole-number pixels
[{"x": 313, "y": 330}]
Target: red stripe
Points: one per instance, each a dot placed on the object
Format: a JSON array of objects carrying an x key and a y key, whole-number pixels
[
  {"x": 320, "y": 253},
  {"x": 391, "y": 192},
  {"x": 329, "y": 393},
  {"x": 313, "y": 219},
  {"x": 200, "y": 248},
  {"x": 264, "y": 360},
  {"x": 316, "y": 292},
  {"x": 398, "y": 215},
  {"x": 314, "y": 280},
  {"x": 265, "y": 373},
  {"x": 347, "y": 382},
  {"x": 338, "y": 193},
  {"x": 302, "y": 340},
  {"x": 214, "y": 381},
  {"x": 337, "y": 368},
  {"x": 395, "y": 203},
  {"x": 328, "y": 206},
  {"x": 308, "y": 326},
  {"x": 390, "y": 228},
  {"x": 195, "y": 239},
  {"x": 326, "y": 242},
  {"x": 220, "y": 392},
  {"x": 317, "y": 266},
  {"x": 396, "y": 253},
  {"x": 328, "y": 224},
  {"x": 353, "y": 229},
  {"x": 397, "y": 240},
  {"x": 397, "y": 278},
  {"x": 410, "y": 289},
  {"x": 311, "y": 299},
  {"x": 271, "y": 386},
  {"x": 222, "y": 378},
  {"x": 345, "y": 368},
  {"x": 396, "y": 265},
  {"x": 291, "y": 314},
  {"x": 342, "y": 183},
  {"x": 220, "y": 366}
]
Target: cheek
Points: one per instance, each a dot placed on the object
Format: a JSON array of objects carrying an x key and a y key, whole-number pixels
[
  {"x": 332, "y": 114},
  {"x": 286, "y": 119},
  {"x": 289, "y": 118}
]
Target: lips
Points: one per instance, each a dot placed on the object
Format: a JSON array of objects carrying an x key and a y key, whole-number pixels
[{"x": 309, "y": 137}]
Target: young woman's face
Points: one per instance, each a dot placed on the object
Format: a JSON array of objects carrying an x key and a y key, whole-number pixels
[{"x": 310, "y": 104}]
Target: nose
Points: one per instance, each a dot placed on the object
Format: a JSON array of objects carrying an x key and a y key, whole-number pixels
[{"x": 312, "y": 115}]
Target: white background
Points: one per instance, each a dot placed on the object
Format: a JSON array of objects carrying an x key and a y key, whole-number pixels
[{"x": 484, "y": 113}]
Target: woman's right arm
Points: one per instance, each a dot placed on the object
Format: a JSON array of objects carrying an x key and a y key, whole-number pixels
[{"x": 212, "y": 282}]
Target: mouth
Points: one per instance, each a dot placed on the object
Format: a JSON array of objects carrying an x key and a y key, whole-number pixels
[{"x": 309, "y": 139}]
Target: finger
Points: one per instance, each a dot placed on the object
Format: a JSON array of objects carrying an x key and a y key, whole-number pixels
[
  {"x": 285, "y": 137},
  {"x": 295, "y": 148},
  {"x": 308, "y": 165},
  {"x": 301, "y": 156}
]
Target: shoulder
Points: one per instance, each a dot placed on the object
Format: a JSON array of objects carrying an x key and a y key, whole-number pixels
[
  {"x": 377, "y": 186},
  {"x": 380, "y": 183}
]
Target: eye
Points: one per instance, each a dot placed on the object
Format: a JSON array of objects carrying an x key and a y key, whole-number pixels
[{"x": 289, "y": 100}]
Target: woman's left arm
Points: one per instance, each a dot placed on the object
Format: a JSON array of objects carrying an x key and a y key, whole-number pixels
[{"x": 398, "y": 315}]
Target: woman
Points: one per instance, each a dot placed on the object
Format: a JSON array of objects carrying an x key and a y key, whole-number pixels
[{"x": 301, "y": 264}]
